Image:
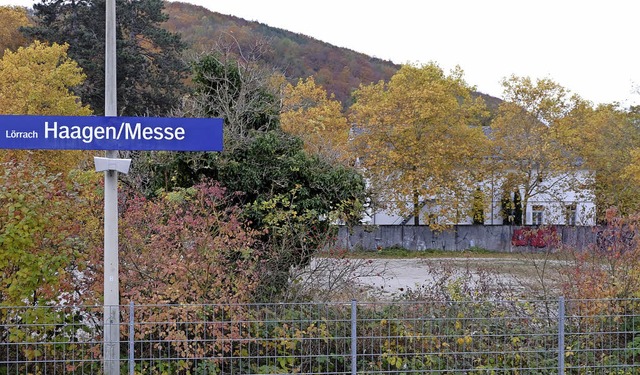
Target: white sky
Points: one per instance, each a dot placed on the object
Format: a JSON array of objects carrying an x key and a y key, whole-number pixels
[{"x": 589, "y": 47}]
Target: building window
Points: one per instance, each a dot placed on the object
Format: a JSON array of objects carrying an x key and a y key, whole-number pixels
[
  {"x": 570, "y": 212},
  {"x": 537, "y": 215}
]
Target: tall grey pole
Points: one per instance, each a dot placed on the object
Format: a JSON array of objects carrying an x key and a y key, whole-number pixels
[
  {"x": 354, "y": 337},
  {"x": 561, "y": 348},
  {"x": 111, "y": 348}
]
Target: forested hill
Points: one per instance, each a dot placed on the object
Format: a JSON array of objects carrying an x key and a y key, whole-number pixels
[{"x": 338, "y": 70}]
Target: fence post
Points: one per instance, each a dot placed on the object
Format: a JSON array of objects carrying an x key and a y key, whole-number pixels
[
  {"x": 354, "y": 337},
  {"x": 561, "y": 314},
  {"x": 131, "y": 339}
]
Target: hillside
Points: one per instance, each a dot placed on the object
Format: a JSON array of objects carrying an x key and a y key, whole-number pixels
[{"x": 338, "y": 70}]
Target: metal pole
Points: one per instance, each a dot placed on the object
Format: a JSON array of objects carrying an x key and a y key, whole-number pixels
[
  {"x": 111, "y": 347},
  {"x": 561, "y": 336},
  {"x": 354, "y": 337},
  {"x": 131, "y": 339},
  {"x": 110, "y": 97},
  {"x": 111, "y": 297}
]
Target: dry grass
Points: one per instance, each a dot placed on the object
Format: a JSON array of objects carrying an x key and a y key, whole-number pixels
[{"x": 529, "y": 274}]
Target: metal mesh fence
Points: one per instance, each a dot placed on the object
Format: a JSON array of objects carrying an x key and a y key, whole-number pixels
[{"x": 426, "y": 337}]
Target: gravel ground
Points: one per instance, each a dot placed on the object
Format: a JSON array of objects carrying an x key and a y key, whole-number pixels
[{"x": 393, "y": 277}]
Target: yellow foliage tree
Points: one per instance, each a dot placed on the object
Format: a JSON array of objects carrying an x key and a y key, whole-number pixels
[
  {"x": 310, "y": 114},
  {"x": 11, "y": 19},
  {"x": 419, "y": 143},
  {"x": 526, "y": 139},
  {"x": 37, "y": 80},
  {"x": 53, "y": 208},
  {"x": 607, "y": 139}
]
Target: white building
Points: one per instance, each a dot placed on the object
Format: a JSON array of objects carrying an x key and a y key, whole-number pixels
[{"x": 564, "y": 199}]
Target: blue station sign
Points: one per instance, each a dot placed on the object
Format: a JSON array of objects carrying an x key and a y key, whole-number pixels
[{"x": 110, "y": 133}]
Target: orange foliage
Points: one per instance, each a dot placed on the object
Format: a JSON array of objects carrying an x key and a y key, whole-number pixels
[
  {"x": 187, "y": 247},
  {"x": 610, "y": 269},
  {"x": 11, "y": 19}
]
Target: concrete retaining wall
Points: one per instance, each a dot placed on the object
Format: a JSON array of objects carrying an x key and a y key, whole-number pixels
[{"x": 461, "y": 237}]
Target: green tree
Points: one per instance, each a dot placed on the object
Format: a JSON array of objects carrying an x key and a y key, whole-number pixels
[
  {"x": 275, "y": 164},
  {"x": 417, "y": 143},
  {"x": 242, "y": 92},
  {"x": 295, "y": 196},
  {"x": 259, "y": 159},
  {"x": 43, "y": 246},
  {"x": 518, "y": 211},
  {"x": 150, "y": 68}
]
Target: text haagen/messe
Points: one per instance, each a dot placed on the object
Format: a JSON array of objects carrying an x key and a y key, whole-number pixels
[{"x": 125, "y": 131}]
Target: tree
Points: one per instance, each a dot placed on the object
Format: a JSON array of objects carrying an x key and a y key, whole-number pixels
[
  {"x": 241, "y": 91},
  {"x": 43, "y": 244},
  {"x": 526, "y": 141},
  {"x": 290, "y": 197},
  {"x": 310, "y": 114},
  {"x": 150, "y": 67},
  {"x": 275, "y": 164},
  {"x": 605, "y": 138},
  {"x": 416, "y": 140},
  {"x": 11, "y": 19},
  {"x": 518, "y": 212},
  {"x": 49, "y": 224},
  {"x": 190, "y": 248},
  {"x": 296, "y": 197},
  {"x": 478, "y": 207},
  {"x": 42, "y": 248},
  {"x": 37, "y": 80}
]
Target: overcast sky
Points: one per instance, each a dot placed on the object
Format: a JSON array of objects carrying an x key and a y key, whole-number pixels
[{"x": 589, "y": 47}]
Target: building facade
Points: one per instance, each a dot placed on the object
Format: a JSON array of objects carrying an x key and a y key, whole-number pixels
[{"x": 560, "y": 199}]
